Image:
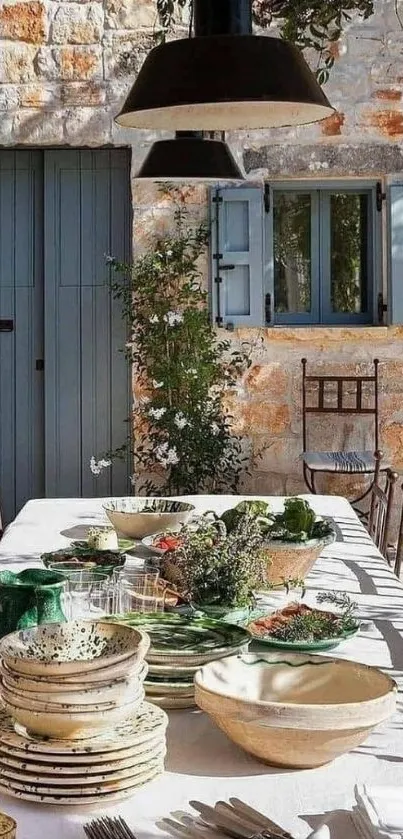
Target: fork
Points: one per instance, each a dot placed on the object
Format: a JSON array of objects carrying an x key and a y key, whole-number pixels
[{"x": 107, "y": 828}]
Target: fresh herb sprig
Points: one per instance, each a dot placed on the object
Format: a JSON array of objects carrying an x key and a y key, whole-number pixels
[{"x": 316, "y": 625}]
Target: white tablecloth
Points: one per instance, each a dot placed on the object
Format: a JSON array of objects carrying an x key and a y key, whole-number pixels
[{"x": 201, "y": 762}]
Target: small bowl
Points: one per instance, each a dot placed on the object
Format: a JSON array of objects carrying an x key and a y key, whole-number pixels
[
  {"x": 137, "y": 518},
  {"x": 120, "y": 691},
  {"x": 295, "y": 710},
  {"x": 126, "y": 669},
  {"x": 27, "y": 701},
  {"x": 62, "y": 649},
  {"x": 72, "y": 726}
]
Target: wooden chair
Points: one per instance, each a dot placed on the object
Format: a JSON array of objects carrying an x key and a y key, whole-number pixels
[
  {"x": 381, "y": 506},
  {"x": 399, "y": 549},
  {"x": 315, "y": 391}
]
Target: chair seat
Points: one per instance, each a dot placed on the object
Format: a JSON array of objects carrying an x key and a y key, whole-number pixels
[{"x": 341, "y": 462}]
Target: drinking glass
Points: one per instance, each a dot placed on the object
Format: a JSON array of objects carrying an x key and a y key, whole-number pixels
[
  {"x": 89, "y": 595},
  {"x": 137, "y": 590}
]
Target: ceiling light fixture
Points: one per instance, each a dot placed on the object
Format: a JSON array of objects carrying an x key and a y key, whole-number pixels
[
  {"x": 221, "y": 82},
  {"x": 190, "y": 157}
]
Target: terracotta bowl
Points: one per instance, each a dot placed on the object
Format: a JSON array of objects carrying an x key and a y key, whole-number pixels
[
  {"x": 292, "y": 560},
  {"x": 77, "y": 647},
  {"x": 294, "y": 710},
  {"x": 111, "y": 691},
  {"x": 72, "y": 726},
  {"x": 128, "y": 518}
]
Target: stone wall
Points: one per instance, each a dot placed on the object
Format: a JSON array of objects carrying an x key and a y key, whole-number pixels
[{"x": 65, "y": 68}]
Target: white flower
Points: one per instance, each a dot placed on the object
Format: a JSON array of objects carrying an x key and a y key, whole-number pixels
[
  {"x": 191, "y": 371},
  {"x": 215, "y": 429},
  {"x": 172, "y": 457},
  {"x": 157, "y": 413},
  {"x": 97, "y": 466},
  {"x": 180, "y": 420},
  {"x": 156, "y": 384},
  {"x": 173, "y": 318},
  {"x": 109, "y": 259},
  {"x": 169, "y": 253},
  {"x": 154, "y": 319},
  {"x": 166, "y": 456}
]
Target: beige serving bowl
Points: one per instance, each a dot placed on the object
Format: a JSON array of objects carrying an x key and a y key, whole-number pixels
[
  {"x": 75, "y": 648},
  {"x": 128, "y": 518},
  {"x": 294, "y": 710}
]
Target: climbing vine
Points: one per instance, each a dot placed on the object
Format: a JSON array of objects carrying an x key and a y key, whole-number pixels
[{"x": 310, "y": 24}]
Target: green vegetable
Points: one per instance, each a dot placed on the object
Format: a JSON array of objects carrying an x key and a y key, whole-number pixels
[
  {"x": 254, "y": 509},
  {"x": 298, "y": 523}
]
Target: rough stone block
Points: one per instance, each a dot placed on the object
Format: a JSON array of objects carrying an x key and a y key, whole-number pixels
[
  {"x": 70, "y": 63},
  {"x": 124, "y": 54},
  {"x": 38, "y": 127},
  {"x": 87, "y": 126},
  {"x": 17, "y": 63},
  {"x": 39, "y": 96},
  {"x": 82, "y": 94},
  {"x": 9, "y": 97},
  {"x": 265, "y": 418},
  {"x": 78, "y": 24},
  {"x": 130, "y": 14},
  {"x": 270, "y": 381},
  {"x": 23, "y": 21}
]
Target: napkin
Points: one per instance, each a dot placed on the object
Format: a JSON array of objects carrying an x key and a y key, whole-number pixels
[{"x": 379, "y": 811}]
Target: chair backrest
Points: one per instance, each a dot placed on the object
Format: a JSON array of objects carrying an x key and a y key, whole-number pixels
[
  {"x": 381, "y": 506},
  {"x": 329, "y": 396},
  {"x": 399, "y": 550}
]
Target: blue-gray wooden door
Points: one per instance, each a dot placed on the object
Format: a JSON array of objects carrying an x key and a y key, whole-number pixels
[
  {"x": 61, "y": 212},
  {"x": 87, "y": 217},
  {"x": 21, "y": 303}
]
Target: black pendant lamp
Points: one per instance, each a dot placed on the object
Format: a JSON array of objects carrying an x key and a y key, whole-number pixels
[
  {"x": 220, "y": 82},
  {"x": 190, "y": 157}
]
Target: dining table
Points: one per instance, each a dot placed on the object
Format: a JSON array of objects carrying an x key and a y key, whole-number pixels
[{"x": 201, "y": 762}]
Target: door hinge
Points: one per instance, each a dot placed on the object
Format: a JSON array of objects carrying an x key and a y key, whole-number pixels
[
  {"x": 382, "y": 308},
  {"x": 267, "y": 197},
  {"x": 219, "y": 320},
  {"x": 267, "y": 308},
  {"x": 39, "y": 364},
  {"x": 380, "y": 196}
]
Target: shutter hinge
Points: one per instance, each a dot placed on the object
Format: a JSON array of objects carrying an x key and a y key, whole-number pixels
[
  {"x": 382, "y": 308},
  {"x": 267, "y": 197},
  {"x": 217, "y": 199},
  {"x": 380, "y": 196},
  {"x": 219, "y": 320}
]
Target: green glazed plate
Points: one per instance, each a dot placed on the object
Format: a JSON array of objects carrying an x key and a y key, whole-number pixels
[
  {"x": 301, "y": 646},
  {"x": 174, "y": 635}
]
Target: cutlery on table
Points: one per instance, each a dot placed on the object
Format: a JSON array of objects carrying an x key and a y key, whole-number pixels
[
  {"x": 225, "y": 818},
  {"x": 107, "y": 828}
]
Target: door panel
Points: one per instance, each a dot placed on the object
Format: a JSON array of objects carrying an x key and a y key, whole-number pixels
[
  {"x": 21, "y": 295},
  {"x": 87, "y": 215}
]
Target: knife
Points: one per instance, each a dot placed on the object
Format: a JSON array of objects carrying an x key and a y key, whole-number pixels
[
  {"x": 263, "y": 825},
  {"x": 228, "y": 823},
  {"x": 258, "y": 818}
]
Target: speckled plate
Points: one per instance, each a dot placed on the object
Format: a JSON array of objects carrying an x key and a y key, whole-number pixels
[
  {"x": 77, "y": 765},
  {"x": 187, "y": 640},
  {"x": 58, "y": 779},
  {"x": 174, "y": 689},
  {"x": 81, "y": 799},
  {"x": 142, "y": 727}
]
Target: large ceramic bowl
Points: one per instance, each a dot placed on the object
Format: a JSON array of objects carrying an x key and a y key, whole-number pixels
[
  {"x": 294, "y": 710},
  {"x": 138, "y": 518},
  {"x": 72, "y": 726},
  {"x": 72, "y": 648}
]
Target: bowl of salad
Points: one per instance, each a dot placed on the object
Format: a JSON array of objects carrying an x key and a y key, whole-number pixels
[{"x": 140, "y": 517}]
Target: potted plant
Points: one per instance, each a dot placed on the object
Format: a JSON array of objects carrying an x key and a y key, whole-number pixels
[
  {"x": 291, "y": 541},
  {"x": 218, "y": 570}
]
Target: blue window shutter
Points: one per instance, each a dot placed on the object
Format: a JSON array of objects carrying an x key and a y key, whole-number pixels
[
  {"x": 395, "y": 250},
  {"x": 238, "y": 256}
]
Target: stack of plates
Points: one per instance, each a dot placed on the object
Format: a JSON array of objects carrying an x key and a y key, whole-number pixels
[
  {"x": 179, "y": 646},
  {"x": 101, "y": 769}
]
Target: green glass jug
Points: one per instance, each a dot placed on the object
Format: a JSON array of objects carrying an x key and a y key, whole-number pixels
[{"x": 32, "y": 597}]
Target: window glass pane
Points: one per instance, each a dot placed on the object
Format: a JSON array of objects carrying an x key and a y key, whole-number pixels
[
  {"x": 292, "y": 252},
  {"x": 237, "y": 291},
  {"x": 236, "y": 226},
  {"x": 349, "y": 252}
]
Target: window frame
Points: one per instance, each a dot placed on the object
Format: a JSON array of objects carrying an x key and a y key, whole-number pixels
[{"x": 321, "y": 314}]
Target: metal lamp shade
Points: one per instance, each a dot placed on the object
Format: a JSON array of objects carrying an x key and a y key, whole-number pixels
[
  {"x": 190, "y": 158},
  {"x": 224, "y": 82}
]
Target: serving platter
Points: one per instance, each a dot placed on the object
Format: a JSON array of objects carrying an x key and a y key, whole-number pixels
[{"x": 182, "y": 638}]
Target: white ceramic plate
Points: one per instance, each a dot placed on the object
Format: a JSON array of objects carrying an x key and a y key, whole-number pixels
[
  {"x": 146, "y": 724},
  {"x": 81, "y": 800},
  {"x": 48, "y": 764},
  {"x": 59, "y": 779}
]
